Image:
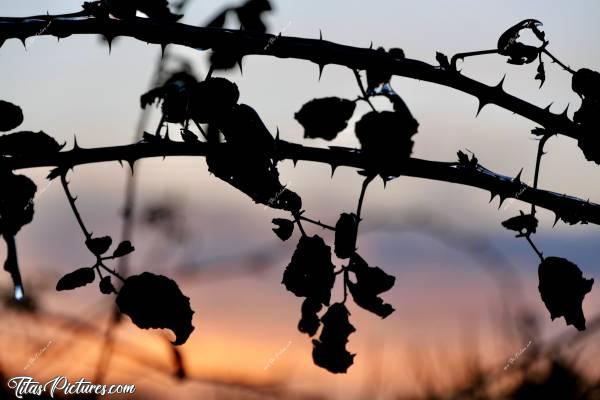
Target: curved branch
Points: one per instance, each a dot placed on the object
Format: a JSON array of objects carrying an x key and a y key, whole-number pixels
[
  {"x": 318, "y": 51},
  {"x": 569, "y": 208}
]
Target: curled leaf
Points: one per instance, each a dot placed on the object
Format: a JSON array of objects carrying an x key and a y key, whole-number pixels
[
  {"x": 370, "y": 282},
  {"x": 519, "y": 53},
  {"x": 326, "y": 117},
  {"x": 27, "y": 143},
  {"x": 99, "y": 245},
  {"x": 284, "y": 228},
  {"x": 123, "y": 249},
  {"x": 310, "y": 322},
  {"x": 155, "y": 301},
  {"x": 78, "y": 278},
  {"x": 563, "y": 288},
  {"x": 310, "y": 272},
  {"x": 345, "y": 235},
  {"x": 525, "y": 224},
  {"x": 386, "y": 139},
  {"x": 541, "y": 73},
  {"x": 106, "y": 286},
  {"x": 11, "y": 116},
  {"x": 329, "y": 351}
]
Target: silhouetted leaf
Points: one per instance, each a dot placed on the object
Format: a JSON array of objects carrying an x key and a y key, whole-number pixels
[
  {"x": 563, "y": 288},
  {"x": 541, "y": 73},
  {"x": 284, "y": 228},
  {"x": 525, "y": 224},
  {"x": 517, "y": 52},
  {"x": 16, "y": 202},
  {"x": 442, "y": 59},
  {"x": 106, "y": 285},
  {"x": 385, "y": 139},
  {"x": 189, "y": 136},
  {"x": 310, "y": 322},
  {"x": 26, "y": 143},
  {"x": 370, "y": 282},
  {"x": 11, "y": 116},
  {"x": 78, "y": 278},
  {"x": 126, "y": 9},
  {"x": 155, "y": 301},
  {"x": 586, "y": 83},
  {"x": 326, "y": 117},
  {"x": 213, "y": 99},
  {"x": 345, "y": 235},
  {"x": 99, "y": 245},
  {"x": 329, "y": 351},
  {"x": 123, "y": 249},
  {"x": 249, "y": 15},
  {"x": 310, "y": 273},
  {"x": 244, "y": 128}
]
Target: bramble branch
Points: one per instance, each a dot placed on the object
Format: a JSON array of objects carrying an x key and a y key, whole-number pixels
[
  {"x": 318, "y": 51},
  {"x": 577, "y": 210}
]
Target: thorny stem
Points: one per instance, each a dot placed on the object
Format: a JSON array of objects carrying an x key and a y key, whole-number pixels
[
  {"x": 362, "y": 89},
  {"x": 71, "y": 199},
  {"x": 538, "y": 161},
  {"x": 112, "y": 272},
  {"x": 556, "y": 60},
  {"x": 539, "y": 253},
  {"x": 318, "y": 223},
  {"x": 462, "y": 56},
  {"x": 320, "y": 52}
]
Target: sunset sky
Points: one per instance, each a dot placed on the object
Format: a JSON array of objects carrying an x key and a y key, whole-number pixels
[{"x": 448, "y": 299}]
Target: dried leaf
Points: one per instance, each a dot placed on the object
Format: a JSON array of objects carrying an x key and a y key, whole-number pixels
[
  {"x": 123, "y": 249},
  {"x": 78, "y": 278},
  {"x": 346, "y": 230},
  {"x": 370, "y": 282},
  {"x": 11, "y": 116},
  {"x": 28, "y": 144},
  {"x": 563, "y": 288},
  {"x": 310, "y": 273},
  {"x": 326, "y": 117},
  {"x": 329, "y": 351},
  {"x": 517, "y": 52},
  {"x": 155, "y": 301},
  {"x": 310, "y": 322},
  {"x": 284, "y": 228},
  {"x": 99, "y": 245}
]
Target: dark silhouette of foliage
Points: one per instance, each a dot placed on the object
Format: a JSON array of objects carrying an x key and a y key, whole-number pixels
[
  {"x": 78, "y": 278},
  {"x": 563, "y": 287},
  {"x": 126, "y": 9},
  {"x": 284, "y": 228},
  {"x": 123, "y": 249},
  {"x": 525, "y": 224},
  {"x": 99, "y": 245},
  {"x": 370, "y": 283},
  {"x": 11, "y": 116},
  {"x": 310, "y": 321},
  {"x": 329, "y": 351},
  {"x": 519, "y": 53},
  {"x": 325, "y": 118},
  {"x": 155, "y": 301},
  {"x": 346, "y": 230},
  {"x": 26, "y": 143}
]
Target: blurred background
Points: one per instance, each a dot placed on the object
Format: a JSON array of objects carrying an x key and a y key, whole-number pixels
[{"x": 468, "y": 322}]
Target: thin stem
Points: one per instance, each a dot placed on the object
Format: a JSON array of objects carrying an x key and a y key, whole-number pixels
[
  {"x": 297, "y": 218},
  {"x": 538, "y": 161},
  {"x": 362, "y": 89},
  {"x": 462, "y": 56},
  {"x": 11, "y": 265},
  {"x": 556, "y": 60},
  {"x": 110, "y": 271},
  {"x": 201, "y": 130},
  {"x": 318, "y": 223},
  {"x": 361, "y": 198},
  {"x": 345, "y": 285},
  {"x": 71, "y": 199},
  {"x": 539, "y": 253}
]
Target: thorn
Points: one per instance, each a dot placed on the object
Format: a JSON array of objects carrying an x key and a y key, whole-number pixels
[
  {"x": 295, "y": 161},
  {"x": 2, "y": 40},
  {"x": 163, "y": 47},
  {"x": 120, "y": 163},
  {"x": 548, "y": 106},
  {"x": 482, "y": 104},
  {"x": 333, "y": 167},
  {"x": 502, "y": 199},
  {"x": 556, "y": 218},
  {"x": 564, "y": 113},
  {"x": 75, "y": 144},
  {"x": 321, "y": 67},
  {"x": 499, "y": 85},
  {"x": 22, "y": 39},
  {"x": 493, "y": 195},
  {"x": 109, "y": 40},
  {"x": 371, "y": 45},
  {"x": 131, "y": 163},
  {"x": 239, "y": 63},
  {"x": 277, "y": 135},
  {"x": 320, "y": 35},
  {"x": 517, "y": 179}
]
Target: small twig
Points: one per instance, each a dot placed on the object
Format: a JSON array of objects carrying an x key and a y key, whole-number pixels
[
  {"x": 318, "y": 223},
  {"x": 112, "y": 272},
  {"x": 361, "y": 198},
  {"x": 539, "y": 253},
  {"x": 556, "y": 60},
  {"x": 462, "y": 56},
  {"x": 201, "y": 130},
  {"x": 538, "y": 161},
  {"x": 71, "y": 199},
  {"x": 345, "y": 285},
  {"x": 297, "y": 218},
  {"x": 365, "y": 96}
]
